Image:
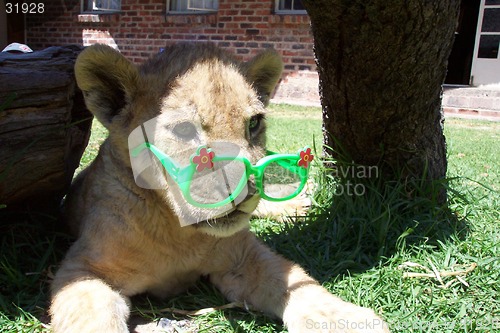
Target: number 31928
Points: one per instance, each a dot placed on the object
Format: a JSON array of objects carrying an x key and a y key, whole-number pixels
[{"x": 24, "y": 8}]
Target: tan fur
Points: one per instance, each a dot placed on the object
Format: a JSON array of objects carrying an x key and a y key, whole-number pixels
[{"x": 130, "y": 240}]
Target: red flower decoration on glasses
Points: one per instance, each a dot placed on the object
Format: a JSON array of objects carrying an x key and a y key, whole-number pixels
[
  {"x": 305, "y": 158},
  {"x": 204, "y": 159}
]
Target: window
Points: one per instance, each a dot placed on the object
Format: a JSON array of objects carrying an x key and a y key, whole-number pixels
[
  {"x": 101, "y": 5},
  {"x": 488, "y": 46},
  {"x": 289, "y": 7},
  {"x": 192, "y": 6},
  {"x": 489, "y": 41}
]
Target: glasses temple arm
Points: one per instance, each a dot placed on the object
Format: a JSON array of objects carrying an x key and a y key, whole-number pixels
[
  {"x": 137, "y": 150},
  {"x": 282, "y": 163}
]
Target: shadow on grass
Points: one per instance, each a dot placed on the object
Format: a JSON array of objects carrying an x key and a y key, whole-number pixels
[
  {"x": 353, "y": 231},
  {"x": 32, "y": 244},
  {"x": 203, "y": 297}
]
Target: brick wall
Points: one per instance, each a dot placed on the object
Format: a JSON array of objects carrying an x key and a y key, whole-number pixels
[{"x": 143, "y": 27}]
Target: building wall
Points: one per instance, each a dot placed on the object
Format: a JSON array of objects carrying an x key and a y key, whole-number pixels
[
  {"x": 3, "y": 26},
  {"x": 143, "y": 27}
]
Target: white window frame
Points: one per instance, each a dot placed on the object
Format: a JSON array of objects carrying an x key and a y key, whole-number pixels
[
  {"x": 277, "y": 9},
  {"x": 484, "y": 70},
  {"x": 190, "y": 7},
  {"x": 100, "y": 6}
]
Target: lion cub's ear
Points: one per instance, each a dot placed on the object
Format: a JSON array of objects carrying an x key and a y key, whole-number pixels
[
  {"x": 108, "y": 81},
  {"x": 264, "y": 71}
]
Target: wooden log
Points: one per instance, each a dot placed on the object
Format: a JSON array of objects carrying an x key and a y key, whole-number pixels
[{"x": 44, "y": 126}]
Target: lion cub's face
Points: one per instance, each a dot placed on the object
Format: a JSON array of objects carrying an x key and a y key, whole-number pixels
[{"x": 188, "y": 96}]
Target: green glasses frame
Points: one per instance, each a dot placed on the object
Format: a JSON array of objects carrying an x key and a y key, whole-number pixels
[{"x": 204, "y": 157}]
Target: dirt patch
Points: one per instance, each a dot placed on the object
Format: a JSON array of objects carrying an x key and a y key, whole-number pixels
[
  {"x": 317, "y": 115},
  {"x": 164, "y": 325},
  {"x": 478, "y": 125}
]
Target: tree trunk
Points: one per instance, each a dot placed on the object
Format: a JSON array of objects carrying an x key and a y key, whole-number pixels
[
  {"x": 44, "y": 126},
  {"x": 381, "y": 65}
]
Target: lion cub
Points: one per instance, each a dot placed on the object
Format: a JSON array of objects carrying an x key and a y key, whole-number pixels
[{"x": 130, "y": 238}]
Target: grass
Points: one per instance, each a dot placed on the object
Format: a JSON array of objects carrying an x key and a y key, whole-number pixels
[
  {"x": 359, "y": 247},
  {"x": 287, "y": 132}
]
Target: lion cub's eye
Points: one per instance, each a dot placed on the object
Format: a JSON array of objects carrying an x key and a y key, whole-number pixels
[
  {"x": 185, "y": 131},
  {"x": 255, "y": 123}
]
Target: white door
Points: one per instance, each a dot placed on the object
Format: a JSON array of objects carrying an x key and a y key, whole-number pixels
[{"x": 486, "y": 63}]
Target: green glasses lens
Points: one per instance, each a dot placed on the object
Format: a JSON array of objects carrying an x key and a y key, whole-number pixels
[{"x": 282, "y": 179}]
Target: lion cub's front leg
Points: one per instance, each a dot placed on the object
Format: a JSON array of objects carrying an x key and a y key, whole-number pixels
[
  {"x": 264, "y": 280},
  {"x": 83, "y": 303}
]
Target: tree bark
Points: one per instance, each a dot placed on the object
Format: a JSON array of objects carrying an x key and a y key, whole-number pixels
[
  {"x": 44, "y": 126},
  {"x": 381, "y": 65}
]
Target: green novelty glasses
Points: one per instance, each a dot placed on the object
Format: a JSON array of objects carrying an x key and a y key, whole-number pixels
[{"x": 212, "y": 180}]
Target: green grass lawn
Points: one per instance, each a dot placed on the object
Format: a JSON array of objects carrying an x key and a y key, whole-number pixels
[{"x": 360, "y": 247}]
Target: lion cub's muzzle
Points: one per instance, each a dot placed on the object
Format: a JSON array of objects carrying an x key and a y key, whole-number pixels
[{"x": 234, "y": 220}]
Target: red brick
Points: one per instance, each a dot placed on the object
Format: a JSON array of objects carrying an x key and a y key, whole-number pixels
[
  {"x": 254, "y": 18},
  {"x": 242, "y": 26}
]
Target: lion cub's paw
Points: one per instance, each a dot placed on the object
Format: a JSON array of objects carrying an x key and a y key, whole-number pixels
[
  {"x": 280, "y": 211},
  {"x": 352, "y": 319},
  {"x": 334, "y": 316},
  {"x": 89, "y": 306},
  {"x": 348, "y": 318}
]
